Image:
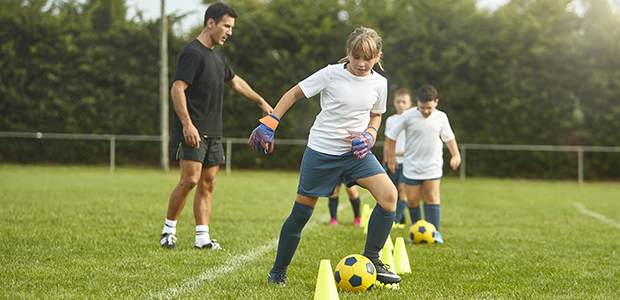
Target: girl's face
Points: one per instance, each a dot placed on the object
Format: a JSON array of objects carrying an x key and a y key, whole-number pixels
[{"x": 361, "y": 66}]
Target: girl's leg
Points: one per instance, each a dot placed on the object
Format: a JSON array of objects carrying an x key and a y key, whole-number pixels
[
  {"x": 291, "y": 233},
  {"x": 380, "y": 222}
]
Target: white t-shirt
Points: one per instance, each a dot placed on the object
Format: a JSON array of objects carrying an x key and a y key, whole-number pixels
[
  {"x": 400, "y": 141},
  {"x": 346, "y": 104},
  {"x": 423, "y": 148}
]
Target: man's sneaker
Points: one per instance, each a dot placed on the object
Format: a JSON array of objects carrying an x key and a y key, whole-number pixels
[
  {"x": 438, "y": 238},
  {"x": 384, "y": 275},
  {"x": 277, "y": 278},
  {"x": 333, "y": 222},
  {"x": 213, "y": 245},
  {"x": 168, "y": 240},
  {"x": 357, "y": 221}
]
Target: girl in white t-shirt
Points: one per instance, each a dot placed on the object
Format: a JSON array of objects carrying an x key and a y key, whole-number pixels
[
  {"x": 353, "y": 97},
  {"x": 426, "y": 129}
]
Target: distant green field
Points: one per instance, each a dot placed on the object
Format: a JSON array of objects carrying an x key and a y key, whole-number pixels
[{"x": 83, "y": 233}]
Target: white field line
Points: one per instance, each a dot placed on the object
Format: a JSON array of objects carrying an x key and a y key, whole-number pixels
[
  {"x": 602, "y": 218},
  {"x": 234, "y": 263}
]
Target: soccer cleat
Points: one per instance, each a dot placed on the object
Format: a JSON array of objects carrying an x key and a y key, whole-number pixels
[
  {"x": 357, "y": 221},
  {"x": 333, "y": 222},
  {"x": 438, "y": 238},
  {"x": 277, "y": 278},
  {"x": 384, "y": 275},
  {"x": 168, "y": 240},
  {"x": 213, "y": 245}
]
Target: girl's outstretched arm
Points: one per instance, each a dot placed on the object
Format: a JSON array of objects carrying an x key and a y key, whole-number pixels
[{"x": 287, "y": 100}]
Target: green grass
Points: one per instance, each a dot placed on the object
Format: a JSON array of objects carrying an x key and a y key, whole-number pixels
[{"x": 82, "y": 233}]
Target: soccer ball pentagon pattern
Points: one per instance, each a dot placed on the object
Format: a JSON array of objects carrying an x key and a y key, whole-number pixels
[
  {"x": 422, "y": 232},
  {"x": 355, "y": 273}
]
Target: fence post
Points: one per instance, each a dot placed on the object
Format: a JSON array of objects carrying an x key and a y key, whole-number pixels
[
  {"x": 164, "y": 90},
  {"x": 228, "y": 155},
  {"x": 580, "y": 165},
  {"x": 463, "y": 161},
  {"x": 112, "y": 153}
]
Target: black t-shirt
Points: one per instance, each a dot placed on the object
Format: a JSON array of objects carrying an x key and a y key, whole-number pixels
[{"x": 205, "y": 71}]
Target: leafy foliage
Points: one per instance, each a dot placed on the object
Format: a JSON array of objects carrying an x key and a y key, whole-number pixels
[{"x": 531, "y": 72}]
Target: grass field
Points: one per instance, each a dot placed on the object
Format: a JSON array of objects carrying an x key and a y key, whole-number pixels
[{"x": 82, "y": 233}]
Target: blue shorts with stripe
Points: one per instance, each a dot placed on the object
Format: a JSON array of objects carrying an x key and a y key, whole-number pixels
[
  {"x": 417, "y": 181},
  {"x": 319, "y": 171},
  {"x": 397, "y": 177}
]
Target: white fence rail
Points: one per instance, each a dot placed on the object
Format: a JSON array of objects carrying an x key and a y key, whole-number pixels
[{"x": 230, "y": 141}]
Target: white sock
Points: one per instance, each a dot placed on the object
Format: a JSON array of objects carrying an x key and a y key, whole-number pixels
[
  {"x": 170, "y": 227},
  {"x": 202, "y": 235}
]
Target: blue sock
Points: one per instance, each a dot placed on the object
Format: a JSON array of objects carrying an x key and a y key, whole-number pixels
[
  {"x": 400, "y": 211},
  {"x": 290, "y": 236},
  {"x": 415, "y": 213},
  {"x": 355, "y": 203},
  {"x": 433, "y": 214},
  {"x": 333, "y": 207},
  {"x": 379, "y": 227}
]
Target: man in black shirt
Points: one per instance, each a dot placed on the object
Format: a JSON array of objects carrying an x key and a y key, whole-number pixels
[{"x": 195, "y": 138}]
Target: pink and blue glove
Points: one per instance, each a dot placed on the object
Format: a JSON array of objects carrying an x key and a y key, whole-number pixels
[
  {"x": 261, "y": 138},
  {"x": 362, "y": 144}
]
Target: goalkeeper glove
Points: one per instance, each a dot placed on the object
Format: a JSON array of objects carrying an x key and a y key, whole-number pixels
[
  {"x": 362, "y": 144},
  {"x": 261, "y": 138}
]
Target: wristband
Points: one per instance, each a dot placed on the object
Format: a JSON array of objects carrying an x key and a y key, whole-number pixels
[
  {"x": 270, "y": 121},
  {"x": 375, "y": 129}
]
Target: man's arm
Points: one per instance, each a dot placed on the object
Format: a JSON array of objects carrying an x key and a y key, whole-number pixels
[
  {"x": 242, "y": 88},
  {"x": 191, "y": 134}
]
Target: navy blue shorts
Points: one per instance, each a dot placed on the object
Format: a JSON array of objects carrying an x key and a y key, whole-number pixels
[
  {"x": 397, "y": 177},
  {"x": 417, "y": 181},
  {"x": 319, "y": 171},
  {"x": 210, "y": 152}
]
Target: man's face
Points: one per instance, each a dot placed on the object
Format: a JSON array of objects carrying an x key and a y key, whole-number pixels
[
  {"x": 222, "y": 30},
  {"x": 401, "y": 103},
  {"x": 427, "y": 108}
]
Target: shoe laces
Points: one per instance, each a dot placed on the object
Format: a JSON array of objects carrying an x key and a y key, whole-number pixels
[
  {"x": 279, "y": 278},
  {"x": 170, "y": 239},
  {"x": 383, "y": 265},
  {"x": 215, "y": 246}
]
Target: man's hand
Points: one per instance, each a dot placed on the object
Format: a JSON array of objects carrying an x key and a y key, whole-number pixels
[
  {"x": 261, "y": 138},
  {"x": 362, "y": 143},
  {"x": 192, "y": 136}
]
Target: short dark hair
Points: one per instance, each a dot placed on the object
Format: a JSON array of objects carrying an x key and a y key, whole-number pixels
[
  {"x": 217, "y": 10},
  {"x": 427, "y": 93}
]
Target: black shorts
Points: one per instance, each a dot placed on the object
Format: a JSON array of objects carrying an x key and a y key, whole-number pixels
[{"x": 210, "y": 151}]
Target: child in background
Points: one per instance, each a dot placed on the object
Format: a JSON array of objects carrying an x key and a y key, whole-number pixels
[
  {"x": 354, "y": 198},
  {"x": 401, "y": 102},
  {"x": 425, "y": 129}
]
